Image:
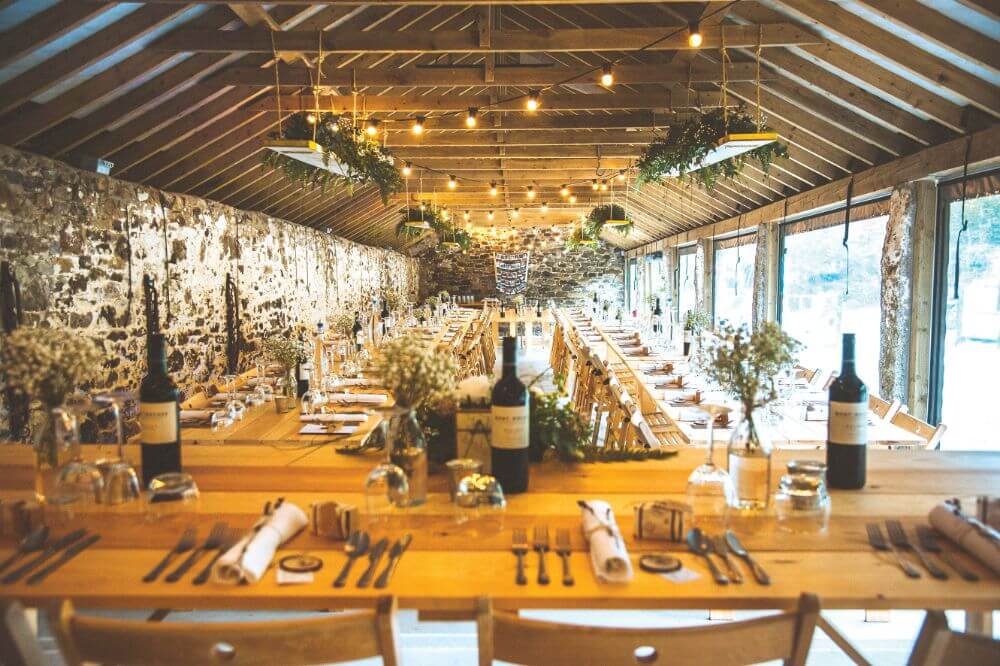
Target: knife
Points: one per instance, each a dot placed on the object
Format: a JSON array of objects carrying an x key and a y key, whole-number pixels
[
  {"x": 395, "y": 554},
  {"x": 50, "y": 550},
  {"x": 373, "y": 557},
  {"x": 67, "y": 555}
]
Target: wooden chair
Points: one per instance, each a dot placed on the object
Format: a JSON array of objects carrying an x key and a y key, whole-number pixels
[
  {"x": 18, "y": 643},
  {"x": 506, "y": 637},
  {"x": 929, "y": 433},
  {"x": 883, "y": 409},
  {"x": 938, "y": 645},
  {"x": 337, "y": 638}
]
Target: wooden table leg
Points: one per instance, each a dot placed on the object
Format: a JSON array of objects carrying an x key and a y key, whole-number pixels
[{"x": 979, "y": 622}]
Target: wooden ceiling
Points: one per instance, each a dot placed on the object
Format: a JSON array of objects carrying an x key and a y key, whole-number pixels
[{"x": 181, "y": 95}]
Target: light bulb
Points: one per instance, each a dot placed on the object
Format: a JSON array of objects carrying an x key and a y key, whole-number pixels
[
  {"x": 607, "y": 76},
  {"x": 564, "y": 191},
  {"x": 452, "y": 183},
  {"x": 516, "y": 213},
  {"x": 533, "y": 101},
  {"x": 418, "y": 125},
  {"x": 594, "y": 186},
  {"x": 604, "y": 186},
  {"x": 445, "y": 215},
  {"x": 531, "y": 192},
  {"x": 407, "y": 169},
  {"x": 422, "y": 206},
  {"x": 489, "y": 215},
  {"x": 572, "y": 198},
  {"x": 465, "y": 215},
  {"x": 472, "y": 118},
  {"x": 311, "y": 118},
  {"x": 545, "y": 207},
  {"x": 694, "y": 38},
  {"x": 372, "y": 127},
  {"x": 621, "y": 177},
  {"x": 493, "y": 189}
]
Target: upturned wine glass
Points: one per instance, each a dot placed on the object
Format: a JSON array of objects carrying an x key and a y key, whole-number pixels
[
  {"x": 121, "y": 483},
  {"x": 234, "y": 405},
  {"x": 709, "y": 488},
  {"x": 79, "y": 483}
]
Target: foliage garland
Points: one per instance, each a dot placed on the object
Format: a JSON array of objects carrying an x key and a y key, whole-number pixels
[
  {"x": 686, "y": 145},
  {"x": 445, "y": 231},
  {"x": 365, "y": 162},
  {"x": 578, "y": 239},
  {"x": 599, "y": 215}
]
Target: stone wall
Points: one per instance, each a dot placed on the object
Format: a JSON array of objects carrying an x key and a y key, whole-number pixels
[
  {"x": 80, "y": 244},
  {"x": 553, "y": 272}
]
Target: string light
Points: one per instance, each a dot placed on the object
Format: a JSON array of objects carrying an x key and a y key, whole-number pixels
[
  {"x": 418, "y": 125},
  {"x": 465, "y": 216},
  {"x": 607, "y": 76},
  {"x": 533, "y": 101},
  {"x": 489, "y": 216},
  {"x": 334, "y": 125},
  {"x": 422, "y": 206},
  {"x": 694, "y": 36},
  {"x": 545, "y": 207},
  {"x": 572, "y": 198},
  {"x": 594, "y": 186},
  {"x": 311, "y": 118},
  {"x": 604, "y": 186},
  {"x": 493, "y": 189},
  {"x": 621, "y": 177},
  {"x": 452, "y": 183},
  {"x": 564, "y": 191},
  {"x": 372, "y": 127},
  {"x": 445, "y": 214},
  {"x": 472, "y": 117},
  {"x": 516, "y": 213},
  {"x": 531, "y": 191},
  {"x": 407, "y": 169}
]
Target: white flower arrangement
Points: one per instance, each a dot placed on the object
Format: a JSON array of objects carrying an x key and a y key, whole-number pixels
[
  {"x": 48, "y": 364},
  {"x": 344, "y": 324},
  {"x": 415, "y": 372}
]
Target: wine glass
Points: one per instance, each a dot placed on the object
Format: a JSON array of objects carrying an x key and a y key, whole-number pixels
[
  {"x": 234, "y": 405},
  {"x": 79, "y": 483},
  {"x": 172, "y": 496},
  {"x": 121, "y": 483},
  {"x": 387, "y": 491},
  {"x": 710, "y": 490}
]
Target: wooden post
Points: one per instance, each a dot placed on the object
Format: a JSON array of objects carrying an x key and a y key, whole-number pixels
[
  {"x": 706, "y": 252},
  {"x": 921, "y": 319}
]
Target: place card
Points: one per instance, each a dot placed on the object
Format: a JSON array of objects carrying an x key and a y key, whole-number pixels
[
  {"x": 343, "y": 417},
  {"x": 294, "y": 578},
  {"x": 682, "y": 575}
]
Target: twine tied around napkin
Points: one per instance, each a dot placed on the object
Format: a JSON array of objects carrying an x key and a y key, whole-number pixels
[
  {"x": 249, "y": 558},
  {"x": 973, "y": 536},
  {"x": 608, "y": 555}
]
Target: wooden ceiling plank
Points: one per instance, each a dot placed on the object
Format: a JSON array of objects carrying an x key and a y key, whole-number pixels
[
  {"x": 528, "y": 138},
  {"x": 47, "y": 26}
]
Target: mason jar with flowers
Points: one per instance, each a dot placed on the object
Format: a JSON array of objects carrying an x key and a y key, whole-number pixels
[
  {"x": 746, "y": 365},
  {"x": 45, "y": 366},
  {"x": 287, "y": 352}
]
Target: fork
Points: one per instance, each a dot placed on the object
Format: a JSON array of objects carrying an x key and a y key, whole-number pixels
[
  {"x": 519, "y": 546},
  {"x": 185, "y": 543},
  {"x": 878, "y": 542},
  {"x": 563, "y": 550},
  {"x": 229, "y": 539},
  {"x": 897, "y": 535},
  {"x": 211, "y": 542},
  {"x": 928, "y": 539},
  {"x": 541, "y": 546}
]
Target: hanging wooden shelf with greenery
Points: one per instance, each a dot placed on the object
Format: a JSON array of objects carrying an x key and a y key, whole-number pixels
[{"x": 607, "y": 215}]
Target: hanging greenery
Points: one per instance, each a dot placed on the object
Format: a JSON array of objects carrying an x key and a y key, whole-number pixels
[
  {"x": 578, "y": 239},
  {"x": 687, "y": 144},
  {"x": 364, "y": 162},
  {"x": 599, "y": 215},
  {"x": 446, "y": 232}
]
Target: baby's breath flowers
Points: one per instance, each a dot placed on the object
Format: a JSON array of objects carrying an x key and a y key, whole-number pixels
[
  {"x": 415, "y": 372},
  {"x": 344, "y": 323},
  {"x": 47, "y": 364},
  {"x": 285, "y": 351}
]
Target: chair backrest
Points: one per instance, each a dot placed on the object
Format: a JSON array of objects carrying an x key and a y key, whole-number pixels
[
  {"x": 884, "y": 409},
  {"x": 336, "y": 638},
  {"x": 506, "y": 637},
  {"x": 18, "y": 643},
  {"x": 930, "y": 433},
  {"x": 938, "y": 645}
]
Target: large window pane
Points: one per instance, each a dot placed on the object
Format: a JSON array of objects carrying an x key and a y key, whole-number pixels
[
  {"x": 971, "y": 345},
  {"x": 815, "y": 308},
  {"x": 733, "y": 277},
  {"x": 687, "y": 294}
]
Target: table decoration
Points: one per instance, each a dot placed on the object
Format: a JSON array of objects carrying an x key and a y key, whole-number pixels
[
  {"x": 333, "y": 520},
  {"x": 745, "y": 364},
  {"x": 287, "y": 352},
  {"x": 802, "y": 504},
  {"x": 666, "y": 520},
  {"x": 472, "y": 420},
  {"x": 710, "y": 489},
  {"x": 249, "y": 557},
  {"x": 608, "y": 555},
  {"x": 695, "y": 321},
  {"x": 972, "y": 535}
]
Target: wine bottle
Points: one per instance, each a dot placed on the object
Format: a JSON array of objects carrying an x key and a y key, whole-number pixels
[
  {"x": 510, "y": 429},
  {"x": 302, "y": 374},
  {"x": 359, "y": 332},
  {"x": 847, "y": 425},
  {"x": 657, "y": 316},
  {"x": 384, "y": 316},
  {"x": 318, "y": 372},
  {"x": 159, "y": 414},
  {"x": 688, "y": 336}
]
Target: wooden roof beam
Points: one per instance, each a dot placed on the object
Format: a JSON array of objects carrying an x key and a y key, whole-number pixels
[{"x": 45, "y": 27}]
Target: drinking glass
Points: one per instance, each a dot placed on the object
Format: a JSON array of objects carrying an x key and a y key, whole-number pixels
[
  {"x": 709, "y": 488},
  {"x": 173, "y": 495},
  {"x": 78, "y": 483},
  {"x": 121, "y": 483},
  {"x": 234, "y": 405},
  {"x": 313, "y": 400},
  {"x": 387, "y": 492}
]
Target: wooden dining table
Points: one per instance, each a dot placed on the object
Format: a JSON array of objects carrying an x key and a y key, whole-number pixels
[{"x": 457, "y": 556}]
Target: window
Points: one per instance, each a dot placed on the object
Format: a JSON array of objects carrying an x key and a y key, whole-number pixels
[
  {"x": 632, "y": 283},
  {"x": 966, "y": 337},
  {"x": 657, "y": 280},
  {"x": 817, "y": 304},
  {"x": 733, "y": 280},
  {"x": 687, "y": 292}
]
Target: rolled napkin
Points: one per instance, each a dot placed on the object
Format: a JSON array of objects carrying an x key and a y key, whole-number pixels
[
  {"x": 343, "y": 417},
  {"x": 365, "y": 398},
  {"x": 196, "y": 416},
  {"x": 608, "y": 555},
  {"x": 975, "y": 538},
  {"x": 247, "y": 561},
  {"x": 323, "y": 429},
  {"x": 357, "y": 381}
]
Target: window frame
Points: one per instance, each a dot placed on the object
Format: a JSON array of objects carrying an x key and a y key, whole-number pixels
[
  {"x": 682, "y": 250},
  {"x": 715, "y": 264}
]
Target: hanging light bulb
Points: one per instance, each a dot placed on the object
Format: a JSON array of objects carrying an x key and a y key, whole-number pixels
[
  {"x": 371, "y": 128},
  {"x": 418, "y": 125},
  {"x": 452, "y": 183},
  {"x": 572, "y": 198},
  {"x": 466, "y": 216},
  {"x": 594, "y": 185},
  {"x": 533, "y": 101},
  {"x": 422, "y": 206},
  {"x": 489, "y": 215},
  {"x": 607, "y": 76},
  {"x": 493, "y": 189},
  {"x": 333, "y": 124},
  {"x": 531, "y": 191},
  {"x": 407, "y": 169},
  {"x": 311, "y": 118},
  {"x": 516, "y": 213},
  {"x": 694, "y": 35},
  {"x": 620, "y": 177},
  {"x": 545, "y": 207},
  {"x": 564, "y": 191},
  {"x": 445, "y": 214},
  {"x": 472, "y": 117},
  {"x": 604, "y": 186}
]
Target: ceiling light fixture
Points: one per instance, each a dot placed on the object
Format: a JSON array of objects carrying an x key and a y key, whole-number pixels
[
  {"x": 371, "y": 128},
  {"x": 564, "y": 191},
  {"x": 489, "y": 215},
  {"x": 516, "y": 213},
  {"x": 452, "y": 183},
  {"x": 472, "y": 117},
  {"x": 545, "y": 207},
  {"x": 531, "y": 191},
  {"x": 533, "y": 101},
  {"x": 604, "y": 185},
  {"x": 407, "y": 169},
  {"x": 465, "y": 215},
  {"x": 311, "y": 118},
  {"x": 694, "y": 35},
  {"x": 621, "y": 176},
  {"x": 594, "y": 185},
  {"x": 572, "y": 198},
  {"x": 607, "y": 76},
  {"x": 493, "y": 189},
  {"x": 418, "y": 125}
]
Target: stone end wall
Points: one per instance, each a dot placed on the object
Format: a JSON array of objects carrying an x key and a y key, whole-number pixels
[{"x": 553, "y": 273}]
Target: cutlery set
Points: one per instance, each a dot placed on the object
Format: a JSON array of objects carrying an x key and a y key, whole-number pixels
[
  {"x": 220, "y": 539},
  {"x": 53, "y": 554},
  {"x": 927, "y": 542},
  {"x": 358, "y": 545},
  {"x": 540, "y": 544},
  {"x": 727, "y": 547}
]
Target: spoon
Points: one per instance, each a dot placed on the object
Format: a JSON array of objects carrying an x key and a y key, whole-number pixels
[
  {"x": 33, "y": 541},
  {"x": 699, "y": 544},
  {"x": 737, "y": 549},
  {"x": 356, "y": 546}
]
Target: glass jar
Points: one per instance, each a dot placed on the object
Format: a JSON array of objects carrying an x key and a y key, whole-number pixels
[
  {"x": 802, "y": 504},
  {"x": 407, "y": 449},
  {"x": 53, "y": 447},
  {"x": 749, "y": 459}
]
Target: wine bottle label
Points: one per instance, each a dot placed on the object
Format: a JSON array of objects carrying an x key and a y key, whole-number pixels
[
  {"x": 848, "y": 423},
  {"x": 158, "y": 422},
  {"x": 510, "y": 427}
]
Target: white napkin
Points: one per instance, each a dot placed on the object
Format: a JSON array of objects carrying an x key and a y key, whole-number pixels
[
  {"x": 249, "y": 558},
  {"x": 976, "y": 542},
  {"x": 196, "y": 415},
  {"x": 608, "y": 555},
  {"x": 321, "y": 429},
  {"x": 365, "y": 398},
  {"x": 356, "y": 381},
  {"x": 348, "y": 417}
]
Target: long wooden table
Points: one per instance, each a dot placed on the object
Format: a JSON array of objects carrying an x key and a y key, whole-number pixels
[{"x": 450, "y": 563}]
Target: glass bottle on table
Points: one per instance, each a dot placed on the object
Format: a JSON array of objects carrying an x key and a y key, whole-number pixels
[
  {"x": 510, "y": 425},
  {"x": 358, "y": 333},
  {"x": 847, "y": 425},
  {"x": 159, "y": 414},
  {"x": 710, "y": 490}
]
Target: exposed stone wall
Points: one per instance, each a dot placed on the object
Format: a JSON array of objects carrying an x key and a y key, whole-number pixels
[
  {"x": 80, "y": 244},
  {"x": 553, "y": 273}
]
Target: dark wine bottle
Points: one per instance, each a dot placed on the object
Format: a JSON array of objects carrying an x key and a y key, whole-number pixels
[
  {"x": 657, "y": 316},
  {"x": 159, "y": 414},
  {"x": 510, "y": 430},
  {"x": 302, "y": 374},
  {"x": 384, "y": 316},
  {"x": 358, "y": 331},
  {"x": 847, "y": 427}
]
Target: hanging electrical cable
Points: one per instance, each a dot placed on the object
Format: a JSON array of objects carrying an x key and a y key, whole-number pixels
[
  {"x": 965, "y": 221},
  {"x": 847, "y": 237}
]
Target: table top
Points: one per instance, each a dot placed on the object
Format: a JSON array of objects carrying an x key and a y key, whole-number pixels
[{"x": 451, "y": 562}]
